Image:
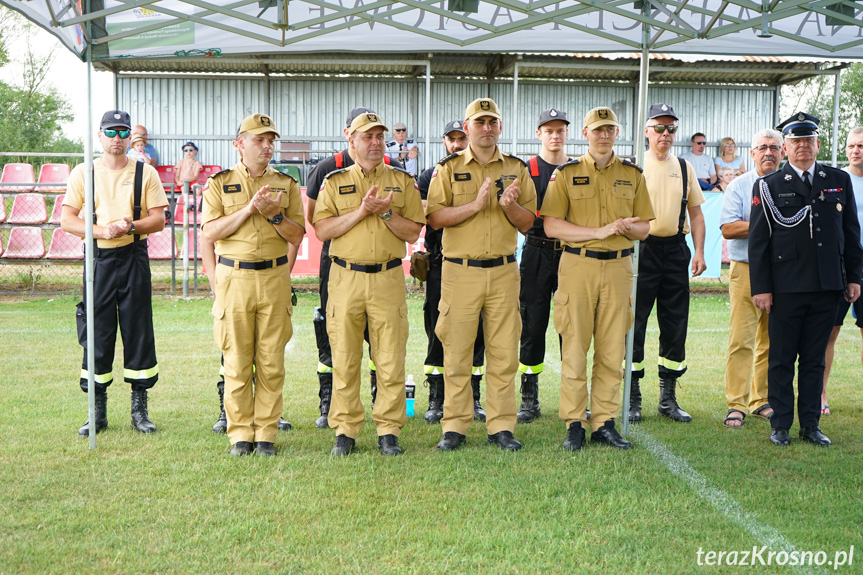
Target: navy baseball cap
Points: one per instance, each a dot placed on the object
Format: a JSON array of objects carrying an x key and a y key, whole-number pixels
[
  {"x": 658, "y": 110},
  {"x": 115, "y": 119},
  {"x": 352, "y": 115},
  {"x": 454, "y": 126}
]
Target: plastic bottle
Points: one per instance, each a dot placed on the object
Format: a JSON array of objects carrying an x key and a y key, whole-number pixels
[{"x": 410, "y": 391}]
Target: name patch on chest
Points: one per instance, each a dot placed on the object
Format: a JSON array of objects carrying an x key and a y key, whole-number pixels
[
  {"x": 232, "y": 188},
  {"x": 394, "y": 189},
  {"x": 580, "y": 180},
  {"x": 461, "y": 177},
  {"x": 347, "y": 190},
  {"x": 787, "y": 195}
]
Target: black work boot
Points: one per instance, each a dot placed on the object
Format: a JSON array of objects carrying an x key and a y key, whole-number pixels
[
  {"x": 478, "y": 411},
  {"x": 325, "y": 392},
  {"x": 435, "y": 410},
  {"x": 140, "y": 419},
  {"x": 284, "y": 424},
  {"x": 373, "y": 378},
  {"x": 574, "y": 437},
  {"x": 529, "y": 409},
  {"x": 221, "y": 425},
  {"x": 635, "y": 400},
  {"x": 101, "y": 414},
  {"x": 668, "y": 405}
]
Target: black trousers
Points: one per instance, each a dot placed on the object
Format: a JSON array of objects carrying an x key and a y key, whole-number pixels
[
  {"x": 122, "y": 293},
  {"x": 434, "y": 354},
  {"x": 799, "y": 325},
  {"x": 663, "y": 279},
  {"x": 538, "y": 268}
]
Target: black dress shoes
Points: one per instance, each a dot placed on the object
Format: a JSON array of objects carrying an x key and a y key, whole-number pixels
[
  {"x": 607, "y": 435},
  {"x": 574, "y": 437},
  {"x": 814, "y": 435},
  {"x": 241, "y": 448},
  {"x": 265, "y": 448},
  {"x": 343, "y": 446},
  {"x": 451, "y": 441},
  {"x": 389, "y": 445},
  {"x": 780, "y": 436},
  {"x": 505, "y": 440}
]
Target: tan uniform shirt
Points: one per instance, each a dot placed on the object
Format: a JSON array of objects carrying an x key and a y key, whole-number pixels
[
  {"x": 586, "y": 196},
  {"x": 115, "y": 195},
  {"x": 489, "y": 233},
  {"x": 665, "y": 186},
  {"x": 256, "y": 239}
]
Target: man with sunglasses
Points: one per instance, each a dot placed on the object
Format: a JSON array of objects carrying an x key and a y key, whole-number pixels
[
  {"x": 129, "y": 203},
  {"x": 664, "y": 257},
  {"x": 404, "y": 149},
  {"x": 705, "y": 169}
]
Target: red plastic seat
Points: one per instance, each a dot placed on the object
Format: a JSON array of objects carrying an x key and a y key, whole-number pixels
[
  {"x": 2, "y": 209},
  {"x": 65, "y": 246},
  {"x": 53, "y": 174},
  {"x": 17, "y": 174},
  {"x": 159, "y": 245},
  {"x": 179, "y": 215},
  {"x": 166, "y": 176},
  {"x": 28, "y": 209},
  {"x": 1, "y": 245},
  {"x": 25, "y": 243},
  {"x": 207, "y": 172},
  {"x": 58, "y": 209}
]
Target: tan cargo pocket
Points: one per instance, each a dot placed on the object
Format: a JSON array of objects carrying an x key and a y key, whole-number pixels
[
  {"x": 220, "y": 326},
  {"x": 443, "y": 322},
  {"x": 562, "y": 318}
]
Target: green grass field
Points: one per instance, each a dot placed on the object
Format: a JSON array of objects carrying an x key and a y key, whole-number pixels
[{"x": 175, "y": 502}]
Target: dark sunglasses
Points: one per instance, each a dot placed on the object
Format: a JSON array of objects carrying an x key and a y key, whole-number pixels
[
  {"x": 112, "y": 133},
  {"x": 188, "y": 149},
  {"x": 660, "y": 128},
  {"x": 699, "y": 143},
  {"x": 400, "y": 130}
]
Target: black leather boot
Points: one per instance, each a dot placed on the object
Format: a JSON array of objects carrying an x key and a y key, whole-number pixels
[
  {"x": 101, "y": 414},
  {"x": 668, "y": 405},
  {"x": 221, "y": 425},
  {"x": 529, "y": 409},
  {"x": 325, "y": 392},
  {"x": 435, "y": 410},
  {"x": 478, "y": 411},
  {"x": 373, "y": 378},
  {"x": 635, "y": 400},
  {"x": 140, "y": 419}
]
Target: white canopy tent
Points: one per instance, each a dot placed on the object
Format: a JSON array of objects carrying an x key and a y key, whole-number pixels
[{"x": 109, "y": 32}]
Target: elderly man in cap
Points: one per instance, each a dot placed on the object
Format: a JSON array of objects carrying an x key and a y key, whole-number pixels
[
  {"x": 251, "y": 213},
  {"x": 663, "y": 261},
  {"x": 540, "y": 259},
  {"x": 804, "y": 252},
  {"x": 403, "y": 148},
  {"x": 481, "y": 198},
  {"x": 129, "y": 203},
  {"x": 597, "y": 205},
  {"x": 368, "y": 211}
]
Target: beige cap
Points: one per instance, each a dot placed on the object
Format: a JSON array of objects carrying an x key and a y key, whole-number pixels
[
  {"x": 601, "y": 116},
  {"x": 482, "y": 107},
  {"x": 365, "y": 122},
  {"x": 258, "y": 124}
]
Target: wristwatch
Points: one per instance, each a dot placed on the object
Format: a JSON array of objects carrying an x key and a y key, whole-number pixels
[
  {"x": 277, "y": 219},
  {"x": 131, "y": 229},
  {"x": 387, "y": 215}
]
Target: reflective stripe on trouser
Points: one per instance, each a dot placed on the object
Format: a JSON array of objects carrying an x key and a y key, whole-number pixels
[
  {"x": 663, "y": 278},
  {"x": 593, "y": 302},
  {"x": 122, "y": 293},
  {"x": 747, "y": 338},
  {"x": 252, "y": 325},
  {"x": 538, "y": 269},
  {"x": 465, "y": 293},
  {"x": 378, "y": 300},
  {"x": 434, "y": 355}
]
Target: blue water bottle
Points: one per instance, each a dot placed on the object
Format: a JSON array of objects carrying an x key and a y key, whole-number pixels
[{"x": 410, "y": 391}]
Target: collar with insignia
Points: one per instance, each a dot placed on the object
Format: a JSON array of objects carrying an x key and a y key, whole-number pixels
[{"x": 788, "y": 177}]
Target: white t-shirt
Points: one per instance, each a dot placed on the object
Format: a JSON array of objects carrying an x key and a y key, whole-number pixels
[{"x": 703, "y": 164}]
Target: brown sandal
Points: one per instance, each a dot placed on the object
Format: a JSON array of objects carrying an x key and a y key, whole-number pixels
[
  {"x": 729, "y": 418},
  {"x": 759, "y": 412}
]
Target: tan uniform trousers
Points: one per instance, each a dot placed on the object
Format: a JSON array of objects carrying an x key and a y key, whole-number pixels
[
  {"x": 357, "y": 298},
  {"x": 593, "y": 301},
  {"x": 252, "y": 325},
  {"x": 465, "y": 293},
  {"x": 747, "y": 338}
]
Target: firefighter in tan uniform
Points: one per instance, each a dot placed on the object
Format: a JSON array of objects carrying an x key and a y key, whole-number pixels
[
  {"x": 597, "y": 205},
  {"x": 251, "y": 212},
  {"x": 480, "y": 198},
  {"x": 369, "y": 210}
]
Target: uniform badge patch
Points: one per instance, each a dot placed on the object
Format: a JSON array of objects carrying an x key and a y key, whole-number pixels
[
  {"x": 551, "y": 179},
  {"x": 788, "y": 177},
  {"x": 461, "y": 177},
  {"x": 265, "y": 121},
  {"x": 603, "y": 114},
  {"x": 838, "y": 207},
  {"x": 822, "y": 174},
  {"x": 347, "y": 190},
  {"x": 756, "y": 201},
  {"x": 231, "y": 188},
  {"x": 580, "y": 180},
  {"x": 484, "y": 105},
  {"x": 434, "y": 174},
  {"x": 372, "y": 117}
]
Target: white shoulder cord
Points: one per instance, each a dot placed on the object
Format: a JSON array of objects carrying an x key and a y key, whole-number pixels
[{"x": 767, "y": 201}]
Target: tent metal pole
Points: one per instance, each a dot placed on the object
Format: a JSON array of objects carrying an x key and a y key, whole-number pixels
[
  {"x": 186, "y": 200},
  {"x": 837, "y": 84},
  {"x": 515, "y": 109},
  {"x": 89, "y": 243},
  {"x": 428, "y": 155}
]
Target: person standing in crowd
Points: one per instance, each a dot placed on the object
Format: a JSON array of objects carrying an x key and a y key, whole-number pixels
[
  {"x": 748, "y": 338},
  {"x": 251, "y": 213},
  {"x": 540, "y": 259},
  {"x": 663, "y": 261},
  {"x": 369, "y": 211},
  {"x": 481, "y": 198},
  {"x": 705, "y": 169},
  {"x": 129, "y": 203},
  {"x": 404, "y": 149},
  {"x": 804, "y": 251},
  {"x": 597, "y": 205},
  {"x": 854, "y": 153},
  {"x": 454, "y": 140},
  {"x": 149, "y": 149}
]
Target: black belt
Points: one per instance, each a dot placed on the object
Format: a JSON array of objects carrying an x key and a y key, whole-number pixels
[
  {"x": 598, "y": 255},
  {"x": 368, "y": 268},
  {"x": 264, "y": 265},
  {"x": 492, "y": 263},
  {"x": 543, "y": 242}
]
